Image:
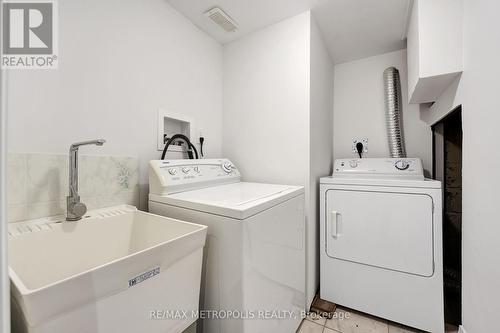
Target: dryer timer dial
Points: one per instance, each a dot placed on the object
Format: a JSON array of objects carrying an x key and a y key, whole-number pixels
[{"x": 402, "y": 165}]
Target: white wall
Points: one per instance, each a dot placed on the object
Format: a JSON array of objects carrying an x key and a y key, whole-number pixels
[
  {"x": 321, "y": 145},
  {"x": 119, "y": 62},
  {"x": 277, "y": 113},
  {"x": 266, "y": 102},
  {"x": 413, "y": 46},
  {"x": 266, "y": 105},
  {"x": 477, "y": 91},
  {"x": 359, "y": 110},
  {"x": 4, "y": 278}
]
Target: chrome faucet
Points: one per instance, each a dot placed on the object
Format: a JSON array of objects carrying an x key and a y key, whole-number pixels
[{"x": 75, "y": 208}]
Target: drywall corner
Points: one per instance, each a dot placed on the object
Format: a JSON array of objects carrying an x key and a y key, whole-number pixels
[{"x": 320, "y": 145}]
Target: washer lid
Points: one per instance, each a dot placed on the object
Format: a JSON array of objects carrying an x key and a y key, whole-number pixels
[{"x": 238, "y": 200}]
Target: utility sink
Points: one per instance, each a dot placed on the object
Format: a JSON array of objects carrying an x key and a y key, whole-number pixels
[{"x": 108, "y": 272}]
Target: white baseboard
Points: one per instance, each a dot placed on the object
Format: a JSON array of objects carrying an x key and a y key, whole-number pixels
[{"x": 461, "y": 329}]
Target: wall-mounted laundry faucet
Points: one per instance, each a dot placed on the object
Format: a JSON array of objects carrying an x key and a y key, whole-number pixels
[{"x": 75, "y": 208}]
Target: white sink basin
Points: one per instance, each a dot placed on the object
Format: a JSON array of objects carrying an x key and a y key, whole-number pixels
[{"x": 105, "y": 273}]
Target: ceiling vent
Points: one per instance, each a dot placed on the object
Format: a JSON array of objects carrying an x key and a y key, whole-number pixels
[{"x": 220, "y": 18}]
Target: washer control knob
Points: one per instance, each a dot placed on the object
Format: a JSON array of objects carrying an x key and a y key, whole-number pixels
[
  {"x": 185, "y": 169},
  {"x": 402, "y": 165},
  {"x": 227, "y": 167},
  {"x": 172, "y": 171},
  {"x": 353, "y": 163},
  {"x": 196, "y": 169}
]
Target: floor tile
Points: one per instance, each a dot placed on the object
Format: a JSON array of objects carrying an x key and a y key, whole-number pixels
[
  {"x": 329, "y": 330},
  {"x": 396, "y": 328},
  {"x": 310, "y": 327},
  {"x": 451, "y": 328},
  {"x": 348, "y": 321},
  {"x": 316, "y": 318}
]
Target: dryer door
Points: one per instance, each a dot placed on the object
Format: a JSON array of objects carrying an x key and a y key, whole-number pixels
[{"x": 382, "y": 229}]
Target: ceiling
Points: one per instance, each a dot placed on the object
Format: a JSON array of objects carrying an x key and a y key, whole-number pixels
[{"x": 352, "y": 29}]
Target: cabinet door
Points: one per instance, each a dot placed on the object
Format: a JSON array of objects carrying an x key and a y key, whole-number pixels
[
  {"x": 382, "y": 229},
  {"x": 435, "y": 48}
]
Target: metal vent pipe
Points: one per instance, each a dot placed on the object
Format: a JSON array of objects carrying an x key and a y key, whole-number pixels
[{"x": 393, "y": 101}]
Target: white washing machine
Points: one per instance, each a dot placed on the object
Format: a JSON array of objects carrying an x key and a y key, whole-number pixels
[
  {"x": 381, "y": 241},
  {"x": 254, "y": 263}
]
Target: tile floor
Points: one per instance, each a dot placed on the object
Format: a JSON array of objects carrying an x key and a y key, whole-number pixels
[{"x": 350, "y": 321}]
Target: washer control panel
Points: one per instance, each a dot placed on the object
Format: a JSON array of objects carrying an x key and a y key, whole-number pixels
[
  {"x": 172, "y": 176},
  {"x": 410, "y": 168}
]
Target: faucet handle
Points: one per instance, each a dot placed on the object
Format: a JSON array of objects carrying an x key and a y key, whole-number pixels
[
  {"x": 79, "y": 209},
  {"x": 76, "y": 209},
  {"x": 76, "y": 145}
]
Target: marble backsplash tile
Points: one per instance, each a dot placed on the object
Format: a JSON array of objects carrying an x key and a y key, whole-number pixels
[{"x": 38, "y": 183}]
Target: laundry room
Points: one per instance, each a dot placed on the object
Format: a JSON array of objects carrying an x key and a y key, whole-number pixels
[{"x": 249, "y": 166}]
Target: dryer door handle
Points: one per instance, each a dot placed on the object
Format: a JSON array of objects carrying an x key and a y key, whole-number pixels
[{"x": 334, "y": 224}]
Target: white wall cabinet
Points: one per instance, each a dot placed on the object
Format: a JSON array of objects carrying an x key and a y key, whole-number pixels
[{"x": 435, "y": 53}]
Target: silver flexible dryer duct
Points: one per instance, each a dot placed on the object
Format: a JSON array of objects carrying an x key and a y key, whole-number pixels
[{"x": 392, "y": 85}]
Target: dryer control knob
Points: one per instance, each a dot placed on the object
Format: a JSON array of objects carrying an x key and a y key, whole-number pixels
[
  {"x": 172, "y": 171},
  {"x": 353, "y": 164},
  {"x": 402, "y": 165}
]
